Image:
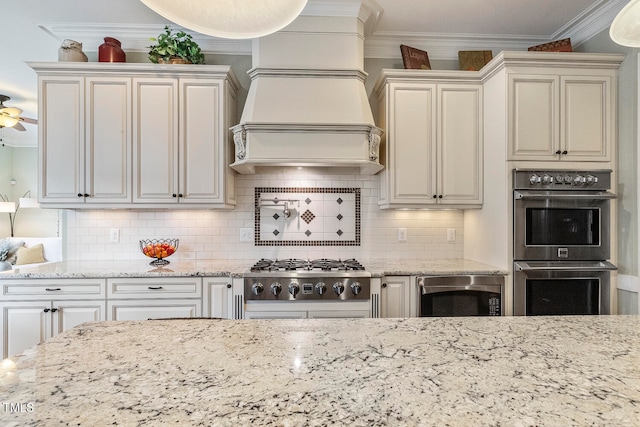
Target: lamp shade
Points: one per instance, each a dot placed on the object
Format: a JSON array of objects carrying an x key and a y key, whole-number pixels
[
  {"x": 28, "y": 202},
  {"x": 625, "y": 28},
  {"x": 7, "y": 207},
  {"x": 230, "y": 19}
]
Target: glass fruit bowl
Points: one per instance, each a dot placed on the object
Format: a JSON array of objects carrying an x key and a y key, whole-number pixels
[{"x": 159, "y": 249}]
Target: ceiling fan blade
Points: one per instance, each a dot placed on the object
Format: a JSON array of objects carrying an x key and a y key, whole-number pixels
[
  {"x": 18, "y": 126},
  {"x": 11, "y": 111},
  {"x": 29, "y": 120}
]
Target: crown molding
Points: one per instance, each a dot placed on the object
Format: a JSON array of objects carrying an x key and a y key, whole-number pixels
[
  {"x": 377, "y": 44},
  {"x": 136, "y": 37}
]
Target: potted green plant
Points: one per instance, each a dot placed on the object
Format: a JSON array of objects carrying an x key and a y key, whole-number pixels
[{"x": 175, "y": 48}]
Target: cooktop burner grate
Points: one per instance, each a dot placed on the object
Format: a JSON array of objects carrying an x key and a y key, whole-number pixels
[{"x": 294, "y": 264}]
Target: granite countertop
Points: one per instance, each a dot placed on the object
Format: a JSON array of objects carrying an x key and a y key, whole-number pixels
[
  {"x": 509, "y": 371},
  {"x": 234, "y": 268}
]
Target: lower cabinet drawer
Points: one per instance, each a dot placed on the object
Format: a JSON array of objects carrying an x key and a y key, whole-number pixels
[
  {"x": 52, "y": 289},
  {"x": 162, "y": 287},
  {"x": 153, "y": 309}
]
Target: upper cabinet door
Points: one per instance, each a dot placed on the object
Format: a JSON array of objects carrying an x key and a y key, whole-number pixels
[
  {"x": 587, "y": 115},
  {"x": 61, "y": 139},
  {"x": 460, "y": 145},
  {"x": 108, "y": 141},
  {"x": 534, "y": 117},
  {"x": 155, "y": 135},
  {"x": 410, "y": 144},
  {"x": 201, "y": 141}
]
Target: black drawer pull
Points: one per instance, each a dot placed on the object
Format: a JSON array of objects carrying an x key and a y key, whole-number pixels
[
  {"x": 52, "y": 289},
  {"x": 155, "y": 288}
]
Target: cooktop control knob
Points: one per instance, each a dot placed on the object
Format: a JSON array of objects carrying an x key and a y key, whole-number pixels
[
  {"x": 356, "y": 288},
  {"x": 534, "y": 179},
  {"x": 547, "y": 179},
  {"x": 321, "y": 288},
  {"x": 276, "y": 288},
  {"x": 590, "y": 180},
  {"x": 257, "y": 288},
  {"x": 338, "y": 288},
  {"x": 559, "y": 179},
  {"x": 578, "y": 180},
  {"x": 294, "y": 289},
  {"x": 567, "y": 179}
]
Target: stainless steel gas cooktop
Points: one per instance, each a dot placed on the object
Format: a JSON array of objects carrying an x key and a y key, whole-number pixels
[{"x": 298, "y": 279}]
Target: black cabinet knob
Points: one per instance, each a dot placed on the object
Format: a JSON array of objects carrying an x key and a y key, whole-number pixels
[
  {"x": 558, "y": 152},
  {"x": 384, "y": 285},
  {"x": 440, "y": 196},
  {"x": 174, "y": 195},
  {"x": 180, "y": 195},
  {"x": 53, "y": 310},
  {"x": 565, "y": 152},
  {"x": 79, "y": 194},
  {"x": 46, "y": 310},
  {"x": 228, "y": 285},
  {"x": 434, "y": 196},
  {"x": 86, "y": 195}
]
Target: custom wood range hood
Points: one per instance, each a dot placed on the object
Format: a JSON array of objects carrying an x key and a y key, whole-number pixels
[{"x": 307, "y": 104}]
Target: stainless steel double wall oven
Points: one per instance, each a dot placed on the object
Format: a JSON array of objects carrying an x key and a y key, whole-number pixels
[{"x": 562, "y": 242}]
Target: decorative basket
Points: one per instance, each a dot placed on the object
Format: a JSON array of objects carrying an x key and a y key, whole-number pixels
[{"x": 159, "y": 249}]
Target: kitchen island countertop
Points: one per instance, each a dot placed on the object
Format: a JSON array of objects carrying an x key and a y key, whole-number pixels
[
  {"x": 509, "y": 371},
  {"x": 233, "y": 268}
]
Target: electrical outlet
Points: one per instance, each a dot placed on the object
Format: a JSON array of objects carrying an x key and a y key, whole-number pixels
[
  {"x": 402, "y": 234},
  {"x": 114, "y": 235},
  {"x": 451, "y": 234},
  {"x": 246, "y": 235}
]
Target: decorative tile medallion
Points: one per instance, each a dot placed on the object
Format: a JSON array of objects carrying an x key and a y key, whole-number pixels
[{"x": 307, "y": 216}]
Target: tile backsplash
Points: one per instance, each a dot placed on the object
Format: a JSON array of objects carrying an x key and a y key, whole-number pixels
[
  {"x": 306, "y": 216},
  {"x": 215, "y": 234}
]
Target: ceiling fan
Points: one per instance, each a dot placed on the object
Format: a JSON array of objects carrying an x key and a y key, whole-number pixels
[{"x": 10, "y": 116}]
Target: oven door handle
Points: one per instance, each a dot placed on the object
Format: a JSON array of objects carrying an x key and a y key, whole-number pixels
[
  {"x": 565, "y": 266},
  {"x": 537, "y": 195}
]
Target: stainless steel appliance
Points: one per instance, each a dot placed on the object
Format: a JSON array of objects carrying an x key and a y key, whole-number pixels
[
  {"x": 307, "y": 288},
  {"x": 469, "y": 295},
  {"x": 562, "y": 242}
]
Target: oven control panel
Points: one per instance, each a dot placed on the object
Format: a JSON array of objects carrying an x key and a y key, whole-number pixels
[{"x": 562, "y": 179}]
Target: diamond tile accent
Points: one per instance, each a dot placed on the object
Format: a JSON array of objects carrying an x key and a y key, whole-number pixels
[
  {"x": 339, "y": 200},
  {"x": 276, "y": 216},
  {"x": 339, "y": 217},
  {"x": 307, "y": 216},
  {"x": 308, "y": 200},
  {"x": 276, "y": 232},
  {"x": 339, "y": 232},
  {"x": 308, "y": 233}
]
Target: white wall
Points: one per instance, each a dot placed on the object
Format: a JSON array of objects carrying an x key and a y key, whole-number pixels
[{"x": 214, "y": 234}]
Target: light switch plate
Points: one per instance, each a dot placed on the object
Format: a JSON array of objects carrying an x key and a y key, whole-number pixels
[
  {"x": 451, "y": 234},
  {"x": 114, "y": 235},
  {"x": 402, "y": 234}
]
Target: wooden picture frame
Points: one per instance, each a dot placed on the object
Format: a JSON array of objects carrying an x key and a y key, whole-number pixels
[
  {"x": 563, "y": 45},
  {"x": 473, "y": 60},
  {"x": 414, "y": 59}
]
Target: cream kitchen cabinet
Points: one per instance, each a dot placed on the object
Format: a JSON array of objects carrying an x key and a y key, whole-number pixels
[
  {"x": 33, "y": 310},
  {"x": 395, "y": 297},
  {"x": 135, "y": 135},
  {"x": 182, "y": 158},
  {"x": 561, "y": 115},
  {"x": 218, "y": 297},
  {"x": 85, "y": 140},
  {"x": 432, "y": 146},
  {"x": 153, "y": 298}
]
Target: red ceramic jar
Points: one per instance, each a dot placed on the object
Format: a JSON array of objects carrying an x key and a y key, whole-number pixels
[{"x": 110, "y": 51}]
